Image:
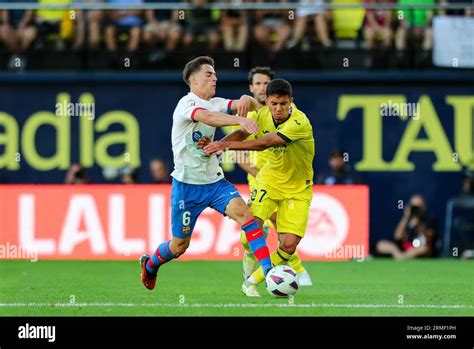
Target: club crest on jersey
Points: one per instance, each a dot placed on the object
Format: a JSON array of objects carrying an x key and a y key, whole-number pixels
[
  {"x": 186, "y": 229},
  {"x": 197, "y": 135}
]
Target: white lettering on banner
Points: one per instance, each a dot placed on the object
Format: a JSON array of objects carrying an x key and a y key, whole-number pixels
[
  {"x": 82, "y": 206},
  {"x": 26, "y": 224},
  {"x": 328, "y": 226},
  {"x": 227, "y": 237},
  {"x": 118, "y": 242},
  {"x": 204, "y": 234},
  {"x": 157, "y": 226}
]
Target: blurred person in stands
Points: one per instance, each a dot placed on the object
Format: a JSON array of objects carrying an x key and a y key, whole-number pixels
[
  {"x": 159, "y": 172},
  {"x": 320, "y": 19},
  {"x": 414, "y": 235},
  {"x": 76, "y": 175},
  {"x": 59, "y": 26},
  {"x": 341, "y": 172},
  {"x": 129, "y": 175},
  {"x": 378, "y": 25},
  {"x": 235, "y": 28},
  {"x": 95, "y": 19},
  {"x": 200, "y": 22},
  {"x": 269, "y": 23},
  {"x": 468, "y": 182},
  {"x": 415, "y": 23},
  {"x": 162, "y": 27},
  {"x": 128, "y": 22},
  {"x": 17, "y": 32}
]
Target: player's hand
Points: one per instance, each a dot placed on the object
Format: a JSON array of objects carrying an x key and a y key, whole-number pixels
[
  {"x": 243, "y": 105},
  {"x": 214, "y": 148},
  {"x": 249, "y": 125},
  {"x": 202, "y": 142}
]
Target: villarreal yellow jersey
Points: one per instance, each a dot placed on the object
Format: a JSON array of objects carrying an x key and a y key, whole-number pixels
[
  {"x": 289, "y": 169},
  {"x": 256, "y": 158}
]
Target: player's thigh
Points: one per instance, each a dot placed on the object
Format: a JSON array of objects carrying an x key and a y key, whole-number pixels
[
  {"x": 262, "y": 204},
  {"x": 293, "y": 216},
  {"x": 186, "y": 206},
  {"x": 221, "y": 194},
  {"x": 238, "y": 210}
]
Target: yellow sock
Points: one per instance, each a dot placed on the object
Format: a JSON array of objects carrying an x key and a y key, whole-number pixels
[
  {"x": 278, "y": 257},
  {"x": 244, "y": 242},
  {"x": 295, "y": 263}
]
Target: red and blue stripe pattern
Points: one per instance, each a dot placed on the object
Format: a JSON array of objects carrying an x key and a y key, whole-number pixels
[
  {"x": 162, "y": 255},
  {"x": 257, "y": 244}
]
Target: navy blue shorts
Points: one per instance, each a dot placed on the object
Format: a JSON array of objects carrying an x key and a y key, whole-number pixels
[{"x": 189, "y": 200}]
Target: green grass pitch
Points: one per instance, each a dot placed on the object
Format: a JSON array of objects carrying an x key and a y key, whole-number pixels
[{"x": 196, "y": 288}]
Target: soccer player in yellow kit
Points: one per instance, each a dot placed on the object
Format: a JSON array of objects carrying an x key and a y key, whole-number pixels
[
  {"x": 259, "y": 77},
  {"x": 285, "y": 181}
]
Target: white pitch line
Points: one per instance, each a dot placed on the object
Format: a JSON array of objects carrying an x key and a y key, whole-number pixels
[{"x": 243, "y": 305}]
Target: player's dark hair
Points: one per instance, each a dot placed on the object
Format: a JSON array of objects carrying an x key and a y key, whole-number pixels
[
  {"x": 279, "y": 87},
  {"x": 260, "y": 70},
  {"x": 195, "y": 65}
]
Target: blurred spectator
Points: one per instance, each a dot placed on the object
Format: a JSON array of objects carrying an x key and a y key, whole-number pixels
[
  {"x": 76, "y": 175},
  {"x": 414, "y": 235},
  {"x": 58, "y": 25},
  {"x": 415, "y": 22},
  {"x": 235, "y": 28},
  {"x": 129, "y": 175},
  {"x": 378, "y": 24},
  {"x": 128, "y": 22},
  {"x": 272, "y": 29},
  {"x": 162, "y": 27},
  {"x": 95, "y": 19},
  {"x": 347, "y": 23},
  {"x": 319, "y": 18},
  {"x": 341, "y": 173},
  {"x": 200, "y": 22},
  {"x": 468, "y": 183},
  {"x": 159, "y": 172},
  {"x": 17, "y": 32}
]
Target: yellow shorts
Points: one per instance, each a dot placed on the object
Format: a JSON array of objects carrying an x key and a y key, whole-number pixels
[{"x": 293, "y": 212}]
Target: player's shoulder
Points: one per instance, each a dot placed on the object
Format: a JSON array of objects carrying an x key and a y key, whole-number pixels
[{"x": 300, "y": 118}]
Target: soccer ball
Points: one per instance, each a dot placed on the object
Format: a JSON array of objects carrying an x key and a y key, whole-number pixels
[{"x": 282, "y": 281}]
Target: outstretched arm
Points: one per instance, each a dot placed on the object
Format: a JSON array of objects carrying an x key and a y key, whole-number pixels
[
  {"x": 217, "y": 119},
  {"x": 269, "y": 140}
]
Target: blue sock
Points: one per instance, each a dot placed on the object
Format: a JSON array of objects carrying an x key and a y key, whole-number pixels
[
  {"x": 257, "y": 244},
  {"x": 162, "y": 255}
]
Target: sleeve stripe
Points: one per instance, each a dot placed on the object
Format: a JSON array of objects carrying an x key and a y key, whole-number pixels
[
  {"x": 285, "y": 138},
  {"x": 229, "y": 106},
  {"x": 194, "y": 112}
]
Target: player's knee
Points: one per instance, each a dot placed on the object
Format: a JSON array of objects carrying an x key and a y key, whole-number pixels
[
  {"x": 180, "y": 247},
  {"x": 289, "y": 247}
]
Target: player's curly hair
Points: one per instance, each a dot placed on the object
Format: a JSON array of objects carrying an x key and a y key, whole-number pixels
[
  {"x": 260, "y": 70},
  {"x": 195, "y": 65}
]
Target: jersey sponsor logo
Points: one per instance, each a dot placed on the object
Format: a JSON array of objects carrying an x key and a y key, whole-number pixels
[{"x": 197, "y": 135}]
